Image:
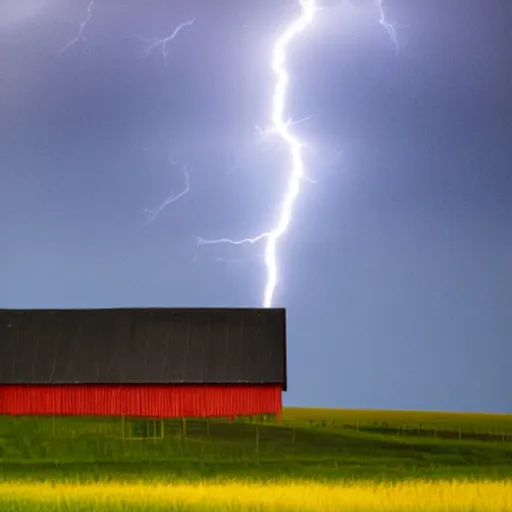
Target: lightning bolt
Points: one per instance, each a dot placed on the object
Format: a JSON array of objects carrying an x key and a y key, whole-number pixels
[
  {"x": 242, "y": 241},
  {"x": 294, "y": 145},
  {"x": 153, "y": 214},
  {"x": 387, "y": 26},
  {"x": 163, "y": 42},
  {"x": 308, "y": 11},
  {"x": 281, "y": 127},
  {"x": 80, "y": 35}
]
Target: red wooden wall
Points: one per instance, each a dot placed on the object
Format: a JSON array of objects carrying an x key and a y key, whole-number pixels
[{"x": 148, "y": 401}]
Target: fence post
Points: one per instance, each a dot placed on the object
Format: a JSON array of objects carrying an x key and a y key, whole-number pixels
[
  {"x": 208, "y": 427},
  {"x": 257, "y": 438}
]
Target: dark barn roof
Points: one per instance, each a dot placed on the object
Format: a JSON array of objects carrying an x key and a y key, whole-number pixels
[{"x": 143, "y": 346}]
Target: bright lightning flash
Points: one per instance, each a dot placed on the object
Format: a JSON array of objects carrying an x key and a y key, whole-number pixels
[
  {"x": 80, "y": 35},
  {"x": 163, "y": 42},
  {"x": 308, "y": 10},
  {"x": 281, "y": 127}
]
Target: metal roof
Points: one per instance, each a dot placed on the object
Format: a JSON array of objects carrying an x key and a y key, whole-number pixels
[{"x": 143, "y": 346}]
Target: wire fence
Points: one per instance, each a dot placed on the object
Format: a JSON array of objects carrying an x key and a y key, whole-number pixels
[
  {"x": 259, "y": 429},
  {"x": 418, "y": 430}
]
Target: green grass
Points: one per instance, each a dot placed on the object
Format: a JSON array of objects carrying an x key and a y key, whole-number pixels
[{"x": 92, "y": 450}]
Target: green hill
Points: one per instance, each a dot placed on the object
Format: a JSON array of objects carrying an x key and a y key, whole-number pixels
[{"x": 311, "y": 443}]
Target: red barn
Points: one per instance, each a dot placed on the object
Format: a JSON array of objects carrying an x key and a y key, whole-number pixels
[{"x": 156, "y": 363}]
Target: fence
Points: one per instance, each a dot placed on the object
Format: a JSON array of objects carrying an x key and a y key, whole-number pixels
[
  {"x": 132, "y": 429},
  {"x": 252, "y": 432},
  {"x": 418, "y": 430},
  {"x": 259, "y": 429}
]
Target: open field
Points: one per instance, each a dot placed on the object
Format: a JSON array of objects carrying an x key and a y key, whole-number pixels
[{"x": 314, "y": 453}]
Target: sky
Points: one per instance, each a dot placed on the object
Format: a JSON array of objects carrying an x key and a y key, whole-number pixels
[{"x": 396, "y": 268}]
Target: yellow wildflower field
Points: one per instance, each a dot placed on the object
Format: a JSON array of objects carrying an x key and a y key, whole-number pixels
[{"x": 417, "y": 496}]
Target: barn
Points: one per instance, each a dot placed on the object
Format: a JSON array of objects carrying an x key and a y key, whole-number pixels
[{"x": 152, "y": 363}]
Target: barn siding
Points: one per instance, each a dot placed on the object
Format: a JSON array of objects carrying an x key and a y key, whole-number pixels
[{"x": 147, "y": 401}]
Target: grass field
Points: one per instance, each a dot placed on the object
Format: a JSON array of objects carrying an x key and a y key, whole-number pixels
[{"x": 356, "y": 460}]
